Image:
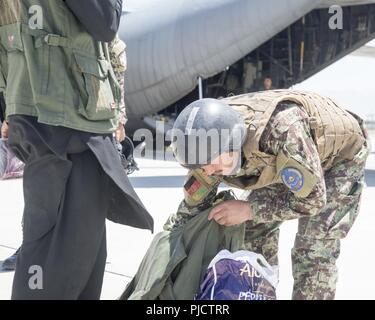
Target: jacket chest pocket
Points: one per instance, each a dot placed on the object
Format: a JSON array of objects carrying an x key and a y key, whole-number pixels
[
  {"x": 96, "y": 88},
  {"x": 13, "y": 73},
  {"x": 10, "y": 37}
]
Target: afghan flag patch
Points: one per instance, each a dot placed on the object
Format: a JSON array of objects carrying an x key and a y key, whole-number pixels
[{"x": 195, "y": 189}]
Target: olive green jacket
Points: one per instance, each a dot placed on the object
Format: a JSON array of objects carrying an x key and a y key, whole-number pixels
[
  {"x": 177, "y": 260},
  {"x": 53, "y": 69}
]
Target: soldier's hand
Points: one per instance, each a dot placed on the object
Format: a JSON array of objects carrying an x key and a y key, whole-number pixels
[
  {"x": 120, "y": 133},
  {"x": 4, "y": 130},
  {"x": 232, "y": 212}
]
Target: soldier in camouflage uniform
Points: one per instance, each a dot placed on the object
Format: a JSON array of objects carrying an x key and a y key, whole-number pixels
[{"x": 295, "y": 170}]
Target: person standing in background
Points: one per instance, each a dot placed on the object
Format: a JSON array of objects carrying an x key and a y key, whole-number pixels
[{"x": 267, "y": 83}]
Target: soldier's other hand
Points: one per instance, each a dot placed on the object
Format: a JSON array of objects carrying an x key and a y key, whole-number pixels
[
  {"x": 120, "y": 133},
  {"x": 4, "y": 130},
  {"x": 232, "y": 212}
]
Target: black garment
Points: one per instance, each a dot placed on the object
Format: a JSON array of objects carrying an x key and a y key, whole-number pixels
[
  {"x": 72, "y": 182},
  {"x": 126, "y": 208},
  {"x": 101, "y": 18},
  {"x": 2, "y": 107}
]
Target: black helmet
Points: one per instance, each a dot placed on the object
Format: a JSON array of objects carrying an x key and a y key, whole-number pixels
[{"x": 205, "y": 129}]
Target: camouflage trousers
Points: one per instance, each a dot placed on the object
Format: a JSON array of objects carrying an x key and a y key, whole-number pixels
[{"x": 317, "y": 243}]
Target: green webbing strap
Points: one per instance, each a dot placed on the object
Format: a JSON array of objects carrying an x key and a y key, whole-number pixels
[{"x": 45, "y": 38}]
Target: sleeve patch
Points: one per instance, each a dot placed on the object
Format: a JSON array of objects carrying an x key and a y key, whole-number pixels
[
  {"x": 198, "y": 187},
  {"x": 296, "y": 177},
  {"x": 190, "y": 183},
  {"x": 195, "y": 187},
  {"x": 293, "y": 179}
]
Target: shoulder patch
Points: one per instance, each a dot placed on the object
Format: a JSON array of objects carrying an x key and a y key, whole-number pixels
[
  {"x": 293, "y": 179},
  {"x": 195, "y": 188},
  {"x": 198, "y": 187},
  {"x": 297, "y": 177}
]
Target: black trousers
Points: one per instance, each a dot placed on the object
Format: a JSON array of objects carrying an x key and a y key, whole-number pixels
[{"x": 67, "y": 196}]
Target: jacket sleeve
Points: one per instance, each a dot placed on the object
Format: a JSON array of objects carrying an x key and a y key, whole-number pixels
[
  {"x": 101, "y": 18},
  {"x": 300, "y": 190},
  {"x": 117, "y": 55},
  {"x": 199, "y": 192}
]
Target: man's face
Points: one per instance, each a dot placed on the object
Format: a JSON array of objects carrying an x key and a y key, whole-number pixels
[
  {"x": 267, "y": 83},
  {"x": 223, "y": 165}
]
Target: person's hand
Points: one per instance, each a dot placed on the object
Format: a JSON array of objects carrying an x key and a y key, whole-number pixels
[
  {"x": 4, "y": 130},
  {"x": 120, "y": 133},
  {"x": 232, "y": 212}
]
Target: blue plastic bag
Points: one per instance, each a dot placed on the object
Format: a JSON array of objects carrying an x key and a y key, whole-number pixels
[{"x": 242, "y": 275}]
